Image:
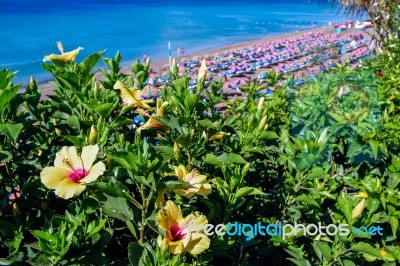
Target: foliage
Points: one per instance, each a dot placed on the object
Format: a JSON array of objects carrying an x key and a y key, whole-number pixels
[{"x": 326, "y": 152}]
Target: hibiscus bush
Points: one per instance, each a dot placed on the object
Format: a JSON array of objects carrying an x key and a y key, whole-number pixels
[{"x": 99, "y": 174}]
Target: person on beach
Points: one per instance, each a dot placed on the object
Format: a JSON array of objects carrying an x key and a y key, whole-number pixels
[{"x": 181, "y": 52}]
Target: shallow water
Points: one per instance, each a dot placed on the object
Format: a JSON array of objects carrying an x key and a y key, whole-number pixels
[{"x": 29, "y": 29}]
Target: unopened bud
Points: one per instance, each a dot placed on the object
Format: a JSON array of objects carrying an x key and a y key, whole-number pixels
[
  {"x": 32, "y": 82},
  {"x": 121, "y": 138},
  {"x": 15, "y": 209},
  {"x": 92, "y": 135},
  {"x": 218, "y": 135},
  {"x": 58, "y": 132},
  {"x": 260, "y": 104},
  {"x": 201, "y": 77},
  {"x": 96, "y": 89},
  {"x": 363, "y": 195},
  {"x": 160, "y": 200},
  {"x": 177, "y": 151},
  {"x": 262, "y": 123},
  {"x": 174, "y": 67}
]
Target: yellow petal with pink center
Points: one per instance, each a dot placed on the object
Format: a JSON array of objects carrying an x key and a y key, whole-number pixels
[
  {"x": 94, "y": 173},
  {"x": 51, "y": 177},
  {"x": 67, "y": 189},
  {"x": 169, "y": 216},
  {"x": 89, "y": 154},
  {"x": 68, "y": 158}
]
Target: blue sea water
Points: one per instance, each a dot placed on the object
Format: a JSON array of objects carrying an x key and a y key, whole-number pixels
[{"x": 29, "y": 29}]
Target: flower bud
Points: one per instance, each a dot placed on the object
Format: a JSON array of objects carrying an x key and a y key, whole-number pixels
[
  {"x": 260, "y": 104},
  {"x": 177, "y": 151},
  {"x": 201, "y": 77},
  {"x": 32, "y": 82},
  {"x": 58, "y": 132},
  {"x": 15, "y": 209},
  {"x": 92, "y": 135},
  {"x": 218, "y": 135},
  {"x": 358, "y": 209},
  {"x": 362, "y": 194},
  {"x": 159, "y": 201},
  {"x": 262, "y": 123},
  {"x": 121, "y": 138},
  {"x": 96, "y": 89},
  {"x": 174, "y": 67}
]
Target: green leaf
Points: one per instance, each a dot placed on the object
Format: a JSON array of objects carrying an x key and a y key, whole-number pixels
[
  {"x": 91, "y": 61},
  {"x": 5, "y": 156},
  {"x": 375, "y": 148},
  {"x": 268, "y": 135},
  {"x": 300, "y": 262},
  {"x": 73, "y": 122},
  {"x": 105, "y": 109},
  {"x": 42, "y": 235},
  {"x": 135, "y": 253},
  {"x": 131, "y": 228},
  {"x": 11, "y": 130},
  {"x": 174, "y": 183},
  {"x": 307, "y": 199},
  {"x": 394, "y": 224},
  {"x": 317, "y": 173},
  {"x": 344, "y": 206},
  {"x": 206, "y": 123},
  {"x": 213, "y": 160},
  {"x": 117, "y": 208},
  {"x": 235, "y": 158},
  {"x": 248, "y": 191},
  {"x": 368, "y": 249},
  {"x": 325, "y": 250},
  {"x": 112, "y": 188}
]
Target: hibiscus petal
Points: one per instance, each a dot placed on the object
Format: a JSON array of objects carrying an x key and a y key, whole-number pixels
[
  {"x": 198, "y": 243},
  {"x": 171, "y": 215},
  {"x": 176, "y": 247},
  {"x": 198, "y": 179},
  {"x": 67, "y": 189},
  {"x": 68, "y": 158},
  {"x": 180, "y": 171},
  {"x": 94, "y": 173},
  {"x": 89, "y": 154},
  {"x": 51, "y": 177},
  {"x": 205, "y": 189}
]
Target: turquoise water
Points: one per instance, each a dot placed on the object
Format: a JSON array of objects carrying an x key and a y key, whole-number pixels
[{"x": 30, "y": 29}]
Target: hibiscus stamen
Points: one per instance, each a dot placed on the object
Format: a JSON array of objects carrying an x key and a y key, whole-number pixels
[
  {"x": 77, "y": 175},
  {"x": 176, "y": 233}
]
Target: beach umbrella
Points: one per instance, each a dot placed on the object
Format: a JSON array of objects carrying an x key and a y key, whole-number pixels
[
  {"x": 262, "y": 60},
  {"x": 234, "y": 69},
  {"x": 241, "y": 81},
  {"x": 228, "y": 86},
  {"x": 244, "y": 65}
]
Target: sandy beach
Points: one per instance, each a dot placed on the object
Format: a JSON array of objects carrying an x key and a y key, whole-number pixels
[{"x": 157, "y": 66}]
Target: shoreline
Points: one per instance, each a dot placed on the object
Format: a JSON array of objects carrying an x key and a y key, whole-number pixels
[{"x": 157, "y": 65}]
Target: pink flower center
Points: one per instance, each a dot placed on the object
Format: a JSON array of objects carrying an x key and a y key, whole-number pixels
[
  {"x": 176, "y": 233},
  {"x": 77, "y": 175}
]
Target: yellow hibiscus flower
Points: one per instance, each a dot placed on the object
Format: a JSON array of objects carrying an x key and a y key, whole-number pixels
[
  {"x": 153, "y": 122},
  {"x": 180, "y": 234},
  {"x": 65, "y": 57},
  {"x": 71, "y": 172},
  {"x": 131, "y": 96},
  {"x": 198, "y": 182}
]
